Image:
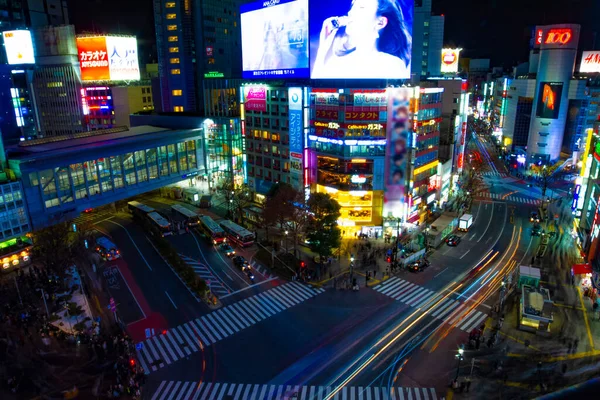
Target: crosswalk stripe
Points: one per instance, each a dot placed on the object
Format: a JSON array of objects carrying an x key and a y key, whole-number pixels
[
  {"x": 259, "y": 307},
  {"x": 211, "y": 322},
  {"x": 162, "y": 340},
  {"x": 187, "y": 339},
  {"x": 244, "y": 313},
  {"x": 416, "y": 295},
  {"x": 201, "y": 328},
  {"x": 180, "y": 342},
  {"x": 303, "y": 288},
  {"x": 290, "y": 299},
  {"x": 251, "y": 309},
  {"x": 195, "y": 336},
  {"x": 239, "y": 317},
  {"x": 293, "y": 294},
  {"x": 412, "y": 288},
  {"x": 174, "y": 391},
  {"x": 299, "y": 292},
  {"x": 224, "y": 322},
  {"x": 155, "y": 355},
  {"x": 280, "y": 297},
  {"x": 461, "y": 321},
  {"x": 424, "y": 300},
  {"x": 477, "y": 322},
  {"x": 160, "y": 350},
  {"x": 228, "y": 313},
  {"x": 266, "y": 305},
  {"x": 384, "y": 287},
  {"x": 442, "y": 310},
  {"x": 391, "y": 287},
  {"x": 167, "y": 389},
  {"x": 171, "y": 337},
  {"x": 223, "y": 390},
  {"x": 403, "y": 286},
  {"x": 271, "y": 301}
]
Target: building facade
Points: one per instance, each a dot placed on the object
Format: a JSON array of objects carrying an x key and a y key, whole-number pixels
[{"x": 427, "y": 43}]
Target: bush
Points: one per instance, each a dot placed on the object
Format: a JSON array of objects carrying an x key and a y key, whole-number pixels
[{"x": 74, "y": 309}]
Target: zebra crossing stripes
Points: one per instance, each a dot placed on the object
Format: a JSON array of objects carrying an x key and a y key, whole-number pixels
[
  {"x": 494, "y": 173},
  {"x": 216, "y": 286},
  {"x": 262, "y": 270},
  {"x": 405, "y": 292},
  {"x": 180, "y": 342},
  {"x": 514, "y": 199},
  {"x": 472, "y": 320},
  {"x": 178, "y": 390}
]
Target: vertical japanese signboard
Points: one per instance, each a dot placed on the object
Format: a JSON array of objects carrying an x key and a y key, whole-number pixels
[
  {"x": 296, "y": 129},
  {"x": 398, "y": 143}
]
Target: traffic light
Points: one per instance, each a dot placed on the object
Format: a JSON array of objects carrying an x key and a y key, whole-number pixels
[
  {"x": 132, "y": 362},
  {"x": 302, "y": 264},
  {"x": 389, "y": 259}
]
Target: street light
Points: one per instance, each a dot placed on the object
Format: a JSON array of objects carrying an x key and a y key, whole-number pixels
[
  {"x": 351, "y": 264},
  {"x": 459, "y": 357},
  {"x": 286, "y": 245}
]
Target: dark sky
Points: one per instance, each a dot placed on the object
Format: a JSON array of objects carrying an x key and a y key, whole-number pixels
[{"x": 496, "y": 29}]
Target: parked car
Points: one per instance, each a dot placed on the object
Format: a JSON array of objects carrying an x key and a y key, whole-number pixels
[
  {"x": 419, "y": 265},
  {"x": 453, "y": 240}
]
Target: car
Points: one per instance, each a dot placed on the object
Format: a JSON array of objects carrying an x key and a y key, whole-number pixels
[
  {"x": 419, "y": 265},
  {"x": 536, "y": 230},
  {"x": 453, "y": 240},
  {"x": 534, "y": 217},
  {"x": 241, "y": 263},
  {"x": 227, "y": 249},
  {"x": 249, "y": 274}
]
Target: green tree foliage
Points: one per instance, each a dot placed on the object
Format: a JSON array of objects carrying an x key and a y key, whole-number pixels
[
  {"x": 282, "y": 210},
  {"x": 52, "y": 246},
  {"x": 323, "y": 234}
]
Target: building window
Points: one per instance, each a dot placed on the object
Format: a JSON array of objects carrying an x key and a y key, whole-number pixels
[
  {"x": 175, "y": 72},
  {"x": 178, "y": 92},
  {"x": 171, "y": 27},
  {"x": 174, "y": 60},
  {"x": 171, "y": 16},
  {"x": 211, "y": 60},
  {"x": 170, "y": 4},
  {"x": 173, "y": 49},
  {"x": 178, "y": 109},
  {"x": 173, "y": 38}
]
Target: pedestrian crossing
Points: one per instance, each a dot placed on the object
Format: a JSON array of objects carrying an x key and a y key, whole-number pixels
[
  {"x": 180, "y": 342},
  {"x": 417, "y": 296},
  {"x": 262, "y": 270},
  {"x": 514, "y": 199},
  {"x": 178, "y": 390},
  {"x": 494, "y": 174},
  {"x": 216, "y": 286}
]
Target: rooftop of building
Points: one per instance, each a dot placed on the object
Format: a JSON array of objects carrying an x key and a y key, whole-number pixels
[{"x": 108, "y": 140}]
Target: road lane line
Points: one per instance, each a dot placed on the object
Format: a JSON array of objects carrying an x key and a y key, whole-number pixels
[
  {"x": 439, "y": 273},
  {"x": 467, "y": 252},
  {"x": 246, "y": 288},
  {"x": 132, "y": 295},
  {"x": 134, "y": 244},
  {"x": 172, "y": 302},
  {"x": 488, "y": 225}
]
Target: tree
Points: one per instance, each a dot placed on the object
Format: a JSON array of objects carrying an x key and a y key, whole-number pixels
[
  {"x": 284, "y": 209},
  {"x": 236, "y": 198},
  {"x": 544, "y": 174},
  {"x": 324, "y": 234},
  {"x": 52, "y": 246}
]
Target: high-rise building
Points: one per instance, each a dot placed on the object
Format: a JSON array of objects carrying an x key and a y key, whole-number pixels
[
  {"x": 57, "y": 81},
  {"x": 428, "y": 40},
  {"x": 33, "y": 13},
  {"x": 195, "y": 38}
]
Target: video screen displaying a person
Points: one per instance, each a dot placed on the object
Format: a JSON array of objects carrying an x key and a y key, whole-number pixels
[{"x": 373, "y": 40}]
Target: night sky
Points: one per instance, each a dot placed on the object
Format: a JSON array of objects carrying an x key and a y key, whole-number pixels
[{"x": 496, "y": 29}]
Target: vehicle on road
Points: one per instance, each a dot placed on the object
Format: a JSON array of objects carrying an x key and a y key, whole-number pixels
[
  {"x": 160, "y": 225},
  {"x": 250, "y": 274},
  {"x": 237, "y": 234},
  {"x": 212, "y": 230},
  {"x": 107, "y": 249},
  {"x": 534, "y": 217},
  {"x": 465, "y": 222},
  {"x": 227, "y": 249},
  {"x": 418, "y": 265},
  {"x": 453, "y": 240},
  {"x": 536, "y": 230},
  {"x": 190, "y": 217},
  {"x": 241, "y": 263},
  {"x": 144, "y": 214}
]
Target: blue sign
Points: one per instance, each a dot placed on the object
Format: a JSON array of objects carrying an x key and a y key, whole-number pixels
[
  {"x": 275, "y": 39},
  {"x": 139, "y": 346},
  {"x": 296, "y": 125}
]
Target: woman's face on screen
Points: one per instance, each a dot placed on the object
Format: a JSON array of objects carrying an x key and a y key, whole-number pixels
[{"x": 363, "y": 22}]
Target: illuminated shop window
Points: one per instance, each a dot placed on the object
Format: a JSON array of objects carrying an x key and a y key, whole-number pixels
[
  {"x": 178, "y": 108},
  {"x": 174, "y": 60},
  {"x": 170, "y": 4},
  {"x": 171, "y": 16},
  {"x": 177, "y": 92},
  {"x": 175, "y": 72},
  {"x": 173, "y": 38},
  {"x": 171, "y": 27},
  {"x": 173, "y": 49}
]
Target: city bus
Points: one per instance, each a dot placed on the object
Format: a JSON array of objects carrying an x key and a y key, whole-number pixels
[
  {"x": 237, "y": 234},
  {"x": 212, "y": 229},
  {"x": 190, "y": 217},
  {"x": 139, "y": 210},
  {"x": 159, "y": 224}
]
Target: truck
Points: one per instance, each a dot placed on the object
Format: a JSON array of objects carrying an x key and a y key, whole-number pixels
[{"x": 464, "y": 223}]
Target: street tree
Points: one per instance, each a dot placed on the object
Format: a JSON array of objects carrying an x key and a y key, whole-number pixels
[
  {"x": 544, "y": 174},
  {"x": 284, "y": 207},
  {"x": 53, "y": 246},
  {"x": 324, "y": 235},
  {"x": 236, "y": 198}
]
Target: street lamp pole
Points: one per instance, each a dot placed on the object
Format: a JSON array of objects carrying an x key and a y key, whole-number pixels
[
  {"x": 286, "y": 245},
  {"x": 459, "y": 357},
  {"x": 351, "y": 265}
]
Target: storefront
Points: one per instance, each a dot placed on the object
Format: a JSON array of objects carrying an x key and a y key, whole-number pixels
[{"x": 15, "y": 253}]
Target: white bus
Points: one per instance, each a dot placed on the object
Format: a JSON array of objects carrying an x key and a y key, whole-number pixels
[
  {"x": 160, "y": 224},
  {"x": 190, "y": 217},
  {"x": 212, "y": 230},
  {"x": 242, "y": 236},
  {"x": 139, "y": 210}
]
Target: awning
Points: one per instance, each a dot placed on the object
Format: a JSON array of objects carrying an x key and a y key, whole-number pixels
[{"x": 581, "y": 269}]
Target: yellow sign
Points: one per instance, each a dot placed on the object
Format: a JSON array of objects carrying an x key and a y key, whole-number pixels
[{"x": 425, "y": 167}]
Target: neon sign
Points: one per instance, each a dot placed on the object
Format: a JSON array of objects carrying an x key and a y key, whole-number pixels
[{"x": 559, "y": 36}]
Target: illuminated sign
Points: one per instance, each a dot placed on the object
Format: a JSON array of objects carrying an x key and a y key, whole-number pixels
[
  {"x": 108, "y": 58},
  {"x": 358, "y": 179},
  {"x": 549, "y": 98},
  {"x": 341, "y": 34},
  {"x": 275, "y": 39},
  {"x": 214, "y": 74},
  {"x": 209, "y": 51},
  {"x": 348, "y": 142},
  {"x": 256, "y": 98},
  {"x": 450, "y": 60},
  {"x": 558, "y": 36},
  {"x": 590, "y": 61},
  {"x": 19, "y": 47},
  {"x": 539, "y": 35},
  {"x": 295, "y": 114}
]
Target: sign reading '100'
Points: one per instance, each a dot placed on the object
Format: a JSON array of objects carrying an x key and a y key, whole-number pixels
[{"x": 558, "y": 36}]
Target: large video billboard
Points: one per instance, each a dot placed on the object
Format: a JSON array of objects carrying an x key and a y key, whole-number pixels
[
  {"x": 360, "y": 39},
  {"x": 548, "y": 103},
  {"x": 108, "y": 58},
  {"x": 19, "y": 47},
  {"x": 398, "y": 143},
  {"x": 275, "y": 39}
]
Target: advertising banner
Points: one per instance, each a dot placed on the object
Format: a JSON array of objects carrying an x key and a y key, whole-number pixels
[
  {"x": 275, "y": 39},
  {"x": 296, "y": 125},
  {"x": 450, "y": 61},
  {"x": 256, "y": 98},
  {"x": 549, "y": 97},
  {"x": 343, "y": 31},
  {"x": 590, "y": 61},
  {"x": 354, "y": 114},
  {"x": 108, "y": 58},
  {"x": 19, "y": 47},
  {"x": 398, "y": 143}
]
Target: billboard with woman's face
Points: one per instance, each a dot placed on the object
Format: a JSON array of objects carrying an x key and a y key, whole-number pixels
[
  {"x": 360, "y": 39},
  {"x": 275, "y": 39}
]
